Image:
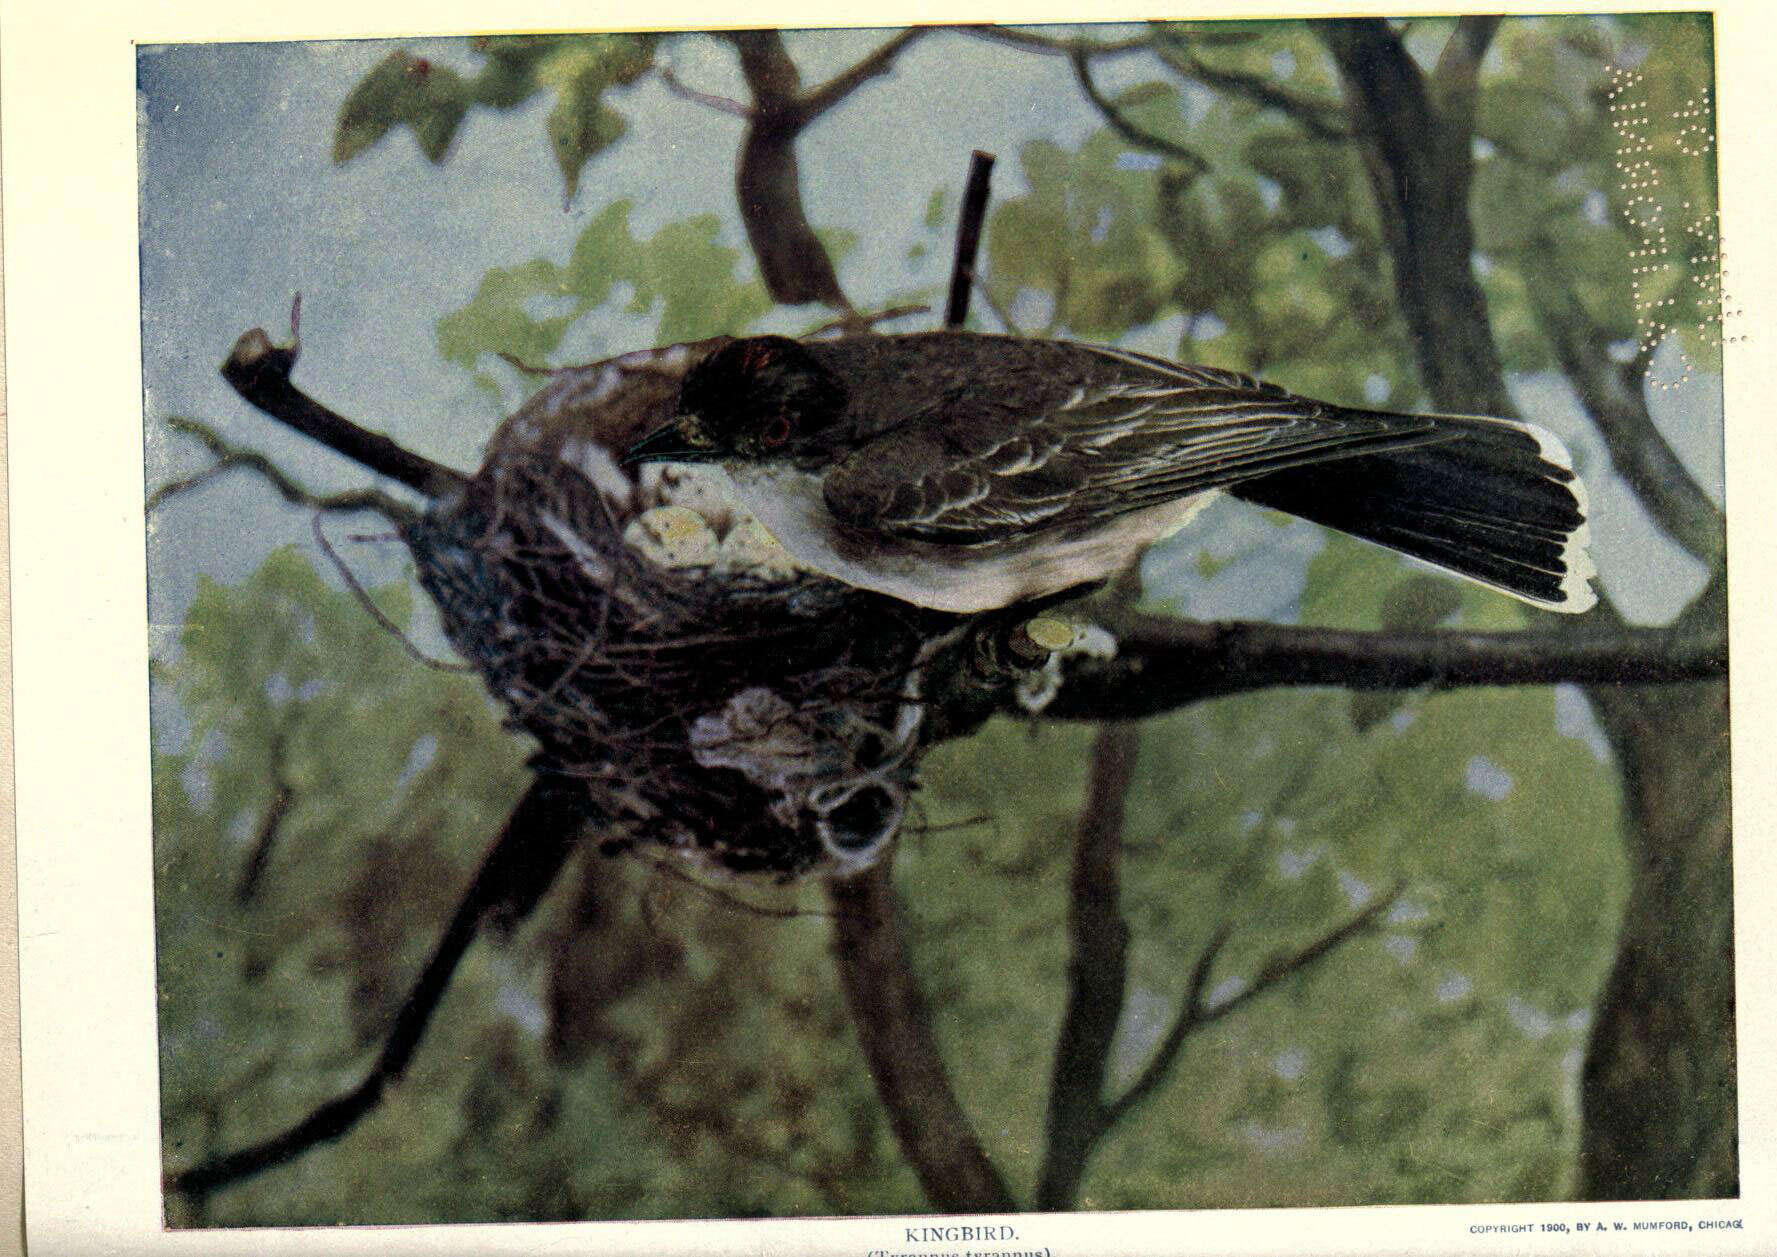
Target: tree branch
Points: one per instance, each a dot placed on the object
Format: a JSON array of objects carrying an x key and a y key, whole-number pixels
[
  {"x": 1125, "y": 127},
  {"x": 820, "y": 99},
  {"x": 260, "y": 372},
  {"x": 1420, "y": 169},
  {"x": 894, "y": 1026},
  {"x": 1612, "y": 394},
  {"x": 768, "y": 182},
  {"x": 271, "y": 825},
  {"x": 1164, "y": 663},
  {"x": 229, "y": 457},
  {"x": 968, "y": 238},
  {"x": 721, "y": 104},
  {"x": 1096, "y": 972},
  {"x": 1323, "y": 119},
  {"x": 520, "y": 866},
  {"x": 1194, "y": 1014},
  {"x": 1049, "y": 44},
  {"x": 1458, "y": 70}
]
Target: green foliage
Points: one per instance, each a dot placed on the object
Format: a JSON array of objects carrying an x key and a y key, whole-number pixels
[
  {"x": 683, "y": 274},
  {"x": 1276, "y": 240},
  {"x": 403, "y": 90},
  {"x": 644, "y": 1048},
  {"x": 698, "y": 1059},
  {"x": 1605, "y": 174},
  {"x": 1276, "y": 813},
  {"x": 432, "y": 100}
]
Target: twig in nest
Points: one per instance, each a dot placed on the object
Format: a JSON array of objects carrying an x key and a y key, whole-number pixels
[{"x": 369, "y": 604}]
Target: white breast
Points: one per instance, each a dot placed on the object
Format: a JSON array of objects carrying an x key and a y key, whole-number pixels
[{"x": 948, "y": 578}]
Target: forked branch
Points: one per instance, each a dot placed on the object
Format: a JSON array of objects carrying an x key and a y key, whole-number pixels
[{"x": 520, "y": 866}]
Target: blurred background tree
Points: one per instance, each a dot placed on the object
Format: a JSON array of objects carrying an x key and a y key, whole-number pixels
[{"x": 1470, "y": 215}]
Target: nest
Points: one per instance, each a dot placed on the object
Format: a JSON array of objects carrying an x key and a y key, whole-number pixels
[{"x": 710, "y": 697}]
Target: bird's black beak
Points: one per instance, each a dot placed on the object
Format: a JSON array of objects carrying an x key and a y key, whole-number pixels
[{"x": 681, "y": 441}]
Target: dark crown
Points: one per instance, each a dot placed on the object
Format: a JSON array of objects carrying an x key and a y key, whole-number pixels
[{"x": 763, "y": 396}]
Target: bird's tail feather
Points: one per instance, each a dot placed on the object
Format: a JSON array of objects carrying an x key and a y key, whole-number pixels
[{"x": 1496, "y": 502}]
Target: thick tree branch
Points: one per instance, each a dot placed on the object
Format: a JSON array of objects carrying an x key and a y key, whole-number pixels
[
  {"x": 1164, "y": 663},
  {"x": 1097, "y": 971},
  {"x": 1420, "y": 169},
  {"x": 1612, "y": 394},
  {"x": 768, "y": 182},
  {"x": 260, "y": 372},
  {"x": 1659, "y": 1083},
  {"x": 520, "y": 866},
  {"x": 894, "y": 1027}
]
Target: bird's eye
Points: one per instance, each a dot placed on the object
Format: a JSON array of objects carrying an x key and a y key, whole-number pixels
[{"x": 776, "y": 432}]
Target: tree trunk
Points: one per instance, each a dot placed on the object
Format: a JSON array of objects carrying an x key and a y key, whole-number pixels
[{"x": 1658, "y": 1092}]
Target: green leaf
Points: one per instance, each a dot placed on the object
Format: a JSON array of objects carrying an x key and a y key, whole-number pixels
[
  {"x": 581, "y": 71},
  {"x": 684, "y": 273},
  {"x": 403, "y": 90},
  {"x": 935, "y": 208}
]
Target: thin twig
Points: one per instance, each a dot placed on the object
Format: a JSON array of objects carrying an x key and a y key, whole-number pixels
[
  {"x": 1033, "y": 42},
  {"x": 520, "y": 365},
  {"x": 271, "y": 825},
  {"x": 1128, "y": 129},
  {"x": 998, "y": 307},
  {"x": 1194, "y": 1014},
  {"x": 376, "y": 613},
  {"x": 230, "y": 457},
  {"x": 721, "y": 104},
  {"x": 850, "y": 323},
  {"x": 727, "y": 898},
  {"x": 1323, "y": 119},
  {"x": 818, "y": 100}
]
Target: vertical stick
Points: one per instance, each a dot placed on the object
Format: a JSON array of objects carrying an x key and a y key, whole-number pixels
[{"x": 968, "y": 238}]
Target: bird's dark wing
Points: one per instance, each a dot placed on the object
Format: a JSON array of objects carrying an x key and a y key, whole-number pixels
[{"x": 1113, "y": 445}]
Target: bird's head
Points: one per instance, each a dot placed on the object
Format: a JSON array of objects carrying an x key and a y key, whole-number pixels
[{"x": 762, "y": 399}]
